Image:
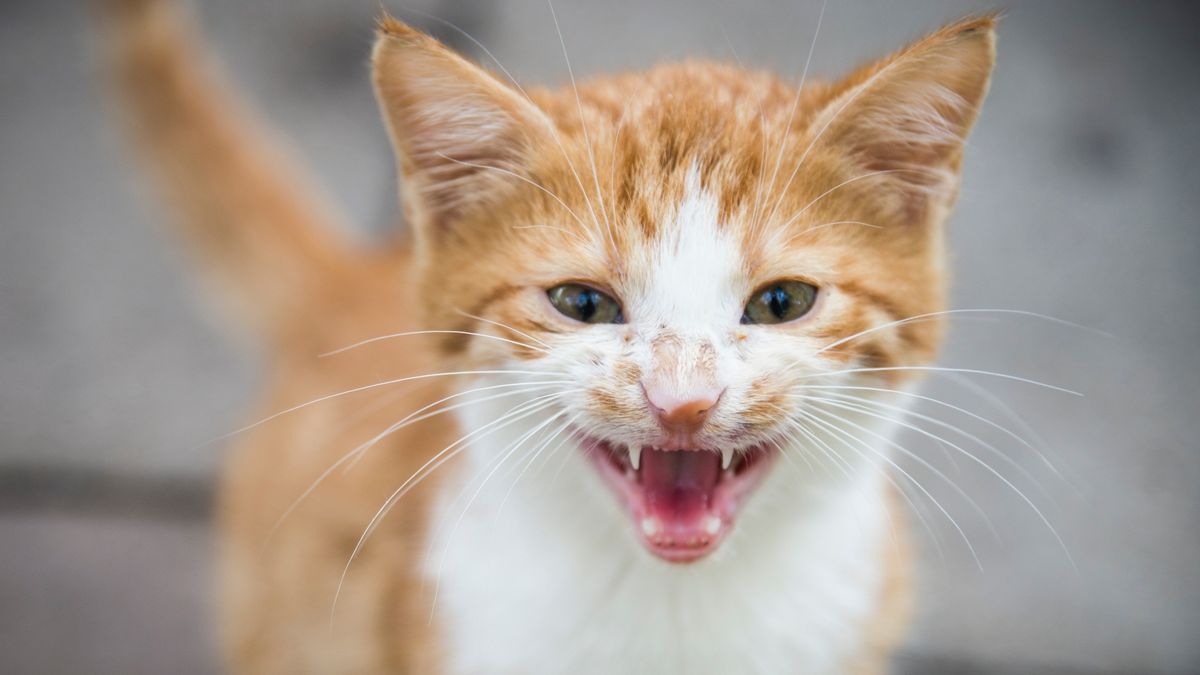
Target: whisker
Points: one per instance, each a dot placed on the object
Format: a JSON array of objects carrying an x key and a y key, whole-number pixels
[
  {"x": 426, "y": 469},
  {"x": 1006, "y": 410},
  {"x": 861, "y": 404},
  {"x": 907, "y": 452},
  {"x": 502, "y": 325},
  {"x": 828, "y": 452},
  {"x": 870, "y": 174},
  {"x": 412, "y": 418},
  {"x": 789, "y": 444},
  {"x": 367, "y": 387},
  {"x": 792, "y": 115},
  {"x": 954, "y": 523},
  {"x": 942, "y": 369},
  {"x": 531, "y": 459},
  {"x": 391, "y": 336},
  {"x": 755, "y": 210},
  {"x": 907, "y": 498},
  {"x": 557, "y": 448},
  {"x": 587, "y": 141},
  {"x": 999, "y": 476},
  {"x": 822, "y": 226},
  {"x": 846, "y": 469},
  {"x": 612, "y": 159},
  {"x": 948, "y": 312},
  {"x": 518, "y": 176},
  {"x": 930, "y": 399},
  {"x": 462, "y": 514}
]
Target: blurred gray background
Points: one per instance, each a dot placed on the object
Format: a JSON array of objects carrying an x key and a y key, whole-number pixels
[{"x": 1079, "y": 201}]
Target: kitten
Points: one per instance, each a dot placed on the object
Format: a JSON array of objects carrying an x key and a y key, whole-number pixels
[{"x": 641, "y": 299}]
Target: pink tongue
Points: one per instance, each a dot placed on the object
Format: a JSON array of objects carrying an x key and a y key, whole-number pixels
[{"x": 678, "y": 485}]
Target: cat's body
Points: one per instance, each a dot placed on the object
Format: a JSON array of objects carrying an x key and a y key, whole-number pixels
[{"x": 677, "y": 196}]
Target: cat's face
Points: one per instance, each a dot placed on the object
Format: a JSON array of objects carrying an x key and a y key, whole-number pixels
[{"x": 680, "y": 263}]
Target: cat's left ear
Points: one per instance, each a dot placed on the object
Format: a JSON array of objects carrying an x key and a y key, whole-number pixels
[
  {"x": 909, "y": 115},
  {"x": 461, "y": 136}
]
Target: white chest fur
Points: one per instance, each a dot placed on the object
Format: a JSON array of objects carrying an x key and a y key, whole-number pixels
[{"x": 547, "y": 578}]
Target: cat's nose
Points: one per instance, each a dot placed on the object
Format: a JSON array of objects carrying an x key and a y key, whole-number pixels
[{"x": 681, "y": 415}]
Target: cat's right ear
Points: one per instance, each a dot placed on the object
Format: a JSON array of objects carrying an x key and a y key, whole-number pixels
[{"x": 461, "y": 136}]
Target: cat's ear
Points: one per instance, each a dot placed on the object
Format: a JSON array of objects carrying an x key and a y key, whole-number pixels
[
  {"x": 909, "y": 115},
  {"x": 460, "y": 135}
]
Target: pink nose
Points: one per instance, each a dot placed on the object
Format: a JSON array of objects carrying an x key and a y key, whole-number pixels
[{"x": 681, "y": 415}]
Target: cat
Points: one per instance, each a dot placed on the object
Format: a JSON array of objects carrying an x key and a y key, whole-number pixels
[{"x": 612, "y": 402}]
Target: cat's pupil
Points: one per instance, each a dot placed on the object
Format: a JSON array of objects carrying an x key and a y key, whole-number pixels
[
  {"x": 585, "y": 304},
  {"x": 779, "y": 302}
]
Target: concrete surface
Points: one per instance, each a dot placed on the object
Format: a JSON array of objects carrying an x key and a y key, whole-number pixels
[{"x": 1080, "y": 201}]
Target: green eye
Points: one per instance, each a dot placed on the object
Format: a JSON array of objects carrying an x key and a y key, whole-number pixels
[
  {"x": 586, "y": 304},
  {"x": 780, "y": 302}
]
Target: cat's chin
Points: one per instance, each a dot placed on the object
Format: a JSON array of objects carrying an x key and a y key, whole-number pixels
[{"x": 683, "y": 502}]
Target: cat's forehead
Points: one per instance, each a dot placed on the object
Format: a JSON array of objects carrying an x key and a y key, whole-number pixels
[
  {"x": 690, "y": 270},
  {"x": 639, "y": 139}
]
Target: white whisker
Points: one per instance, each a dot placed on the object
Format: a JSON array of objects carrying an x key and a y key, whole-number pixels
[
  {"x": 830, "y": 452},
  {"x": 862, "y": 404},
  {"x": 412, "y": 418},
  {"x": 942, "y": 369},
  {"x": 367, "y": 387},
  {"x": 954, "y": 523},
  {"x": 999, "y": 476},
  {"x": 391, "y": 336},
  {"x": 930, "y": 399},
  {"x": 528, "y": 462},
  {"x": 505, "y": 455},
  {"x": 949, "y": 312},
  {"x": 907, "y": 452},
  {"x": 833, "y": 189},
  {"x": 518, "y": 176},
  {"x": 426, "y": 469},
  {"x": 792, "y": 116},
  {"x": 587, "y": 141},
  {"x": 814, "y": 228},
  {"x": 504, "y": 326}
]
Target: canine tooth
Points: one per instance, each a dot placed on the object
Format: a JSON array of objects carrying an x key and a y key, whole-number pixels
[
  {"x": 726, "y": 457},
  {"x": 635, "y": 456},
  {"x": 712, "y": 525}
]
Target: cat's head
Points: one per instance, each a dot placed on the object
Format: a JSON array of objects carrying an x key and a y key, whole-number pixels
[{"x": 677, "y": 261}]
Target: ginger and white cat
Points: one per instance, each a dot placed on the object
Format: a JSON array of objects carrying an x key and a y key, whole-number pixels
[{"x": 662, "y": 312}]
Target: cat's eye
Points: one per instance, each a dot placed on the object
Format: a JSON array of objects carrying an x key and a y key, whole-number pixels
[
  {"x": 585, "y": 304},
  {"x": 780, "y": 302}
]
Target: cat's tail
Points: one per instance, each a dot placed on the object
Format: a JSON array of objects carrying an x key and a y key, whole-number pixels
[{"x": 240, "y": 203}]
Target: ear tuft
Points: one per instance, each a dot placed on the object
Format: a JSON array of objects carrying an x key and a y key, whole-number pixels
[{"x": 389, "y": 26}]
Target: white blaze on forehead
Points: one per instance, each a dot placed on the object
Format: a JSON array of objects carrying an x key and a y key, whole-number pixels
[{"x": 694, "y": 269}]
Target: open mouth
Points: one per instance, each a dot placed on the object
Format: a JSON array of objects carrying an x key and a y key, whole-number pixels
[{"x": 683, "y": 501}]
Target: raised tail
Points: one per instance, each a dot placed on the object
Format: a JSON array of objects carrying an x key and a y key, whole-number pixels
[{"x": 241, "y": 204}]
